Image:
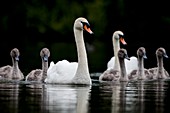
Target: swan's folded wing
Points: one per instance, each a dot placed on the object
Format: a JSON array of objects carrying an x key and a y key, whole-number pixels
[
  {"x": 61, "y": 72},
  {"x": 131, "y": 64},
  {"x": 111, "y": 63}
]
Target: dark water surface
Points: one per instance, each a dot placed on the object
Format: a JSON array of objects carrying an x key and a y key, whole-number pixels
[{"x": 105, "y": 97}]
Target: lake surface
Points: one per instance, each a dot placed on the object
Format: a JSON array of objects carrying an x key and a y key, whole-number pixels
[{"x": 101, "y": 97}]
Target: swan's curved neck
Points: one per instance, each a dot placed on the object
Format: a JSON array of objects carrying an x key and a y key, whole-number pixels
[
  {"x": 140, "y": 66},
  {"x": 116, "y": 47},
  {"x": 82, "y": 69},
  {"x": 81, "y": 50}
]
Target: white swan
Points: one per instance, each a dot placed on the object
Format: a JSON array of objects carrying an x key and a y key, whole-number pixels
[
  {"x": 113, "y": 62},
  {"x": 115, "y": 75},
  {"x": 64, "y": 72},
  {"x": 159, "y": 72},
  {"x": 12, "y": 72},
  {"x": 141, "y": 73},
  {"x": 40, "y": 74}
]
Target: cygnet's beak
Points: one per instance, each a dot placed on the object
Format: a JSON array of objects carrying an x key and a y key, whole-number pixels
[
  {"x": 17, "y": 58},
  {"x": 45, "y": 58},
  {"x": 127, "y": 57},
  {"x": 165, "y": 55},
  {"x": 144, "y": 56}
]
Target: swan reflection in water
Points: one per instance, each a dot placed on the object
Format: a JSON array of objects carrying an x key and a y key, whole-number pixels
[
  {"x": 150, "y": 96},
  {"x": 62, "y": 98},
  {"x": 113, "y": 97},
  {"x": 136, "y": 96},
  {"x": 28, "y": 98},
  {"x": 72, "y": 99},
  {"x": 144, "y": 96},
  {"x": 8, "y": 98}
]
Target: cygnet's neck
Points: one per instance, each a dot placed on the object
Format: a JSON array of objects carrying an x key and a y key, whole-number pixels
[
  {"x": 140, "y": 66},
  {"x": 122, "y": 68},
  {"x": 116, "y": 47},
  {"x": 15, "y": 70},
  {"x": 44, "y": 69},
  {"x": 82, "y": 73},
  {"x": 160, "y": 66}
]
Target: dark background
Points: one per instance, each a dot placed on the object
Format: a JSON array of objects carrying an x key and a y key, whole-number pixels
[{"x": 31, "y": 25}]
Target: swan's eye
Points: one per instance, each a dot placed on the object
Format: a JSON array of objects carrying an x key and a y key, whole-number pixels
[
  {"x": 85, "y": 24},
  {"x": 121, "y": 35}
]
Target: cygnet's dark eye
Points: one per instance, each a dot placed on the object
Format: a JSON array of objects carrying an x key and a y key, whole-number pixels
[{"x": 162, "y": 51}]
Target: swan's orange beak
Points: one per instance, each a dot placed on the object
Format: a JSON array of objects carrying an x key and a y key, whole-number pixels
[
  {"x": 123, "y": 41},
  {"x": 88, "y": 29}
]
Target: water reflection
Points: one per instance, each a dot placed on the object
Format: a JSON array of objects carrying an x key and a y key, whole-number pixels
[
  {"x": 9, "y": 98},
  {"x": 44, "y": 98},
  {"x": 62, "y": 99},
  {"x": 136, "y": 96},
  {"x": 106, "y": 97}
]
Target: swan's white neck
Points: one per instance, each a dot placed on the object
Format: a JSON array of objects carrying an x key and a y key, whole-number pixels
[
  {"x": 116, "y": 47},
  {"x": 82, "y": 75}
]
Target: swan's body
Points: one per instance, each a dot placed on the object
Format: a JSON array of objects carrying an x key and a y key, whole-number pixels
[
  {"x": 12, "y": 72},
  {"x": 113, "y": 62},
  {"x": 40, "y": 74},
  {"x": 114, "y": 75},
  {"x": 141, "y": 73},
  {"x": 64, "y": 72},
  {"x": 159, "y": 72}
]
